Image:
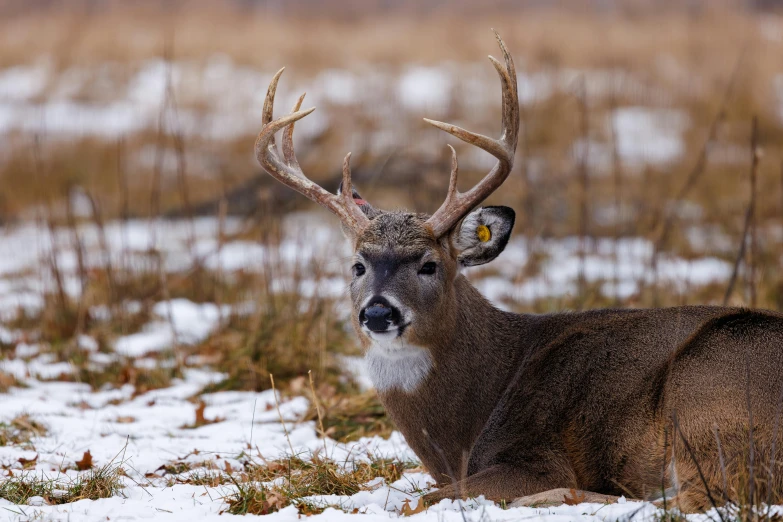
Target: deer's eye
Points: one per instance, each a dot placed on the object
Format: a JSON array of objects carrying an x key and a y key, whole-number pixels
[
  {"x": 428, "y": 268},
  {"x": 358, "y": 269}
]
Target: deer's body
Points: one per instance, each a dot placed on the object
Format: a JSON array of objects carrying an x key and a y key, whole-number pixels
[
  {"x": 515, "y": 404},
  {"x": 631, "y": 402}
]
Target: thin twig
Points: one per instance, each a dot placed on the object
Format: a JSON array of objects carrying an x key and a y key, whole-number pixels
[
  {"x": 721, "y": 460},
  {"x": 755, "y": 155},
  {"x": 701, "y": 160},
  {"x": 663, "y": 468},
  {"x": 583, "y": 172},
  {"x": 253, "y": 421},
  {"x": 676, "y": 424},
  {"x": 279, "y": 414},
  {"x": 321, "y": 430},
  {"x": 78, "y": 247},
  {"x": 97, "y": 217},
  {"x": 773, "y": 450},
  {"x": 617, "y": 174},
  {"x": 749, "y": 212}
]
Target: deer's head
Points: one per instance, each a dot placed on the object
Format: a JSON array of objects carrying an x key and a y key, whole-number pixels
[{"x": 405, "y": 265}]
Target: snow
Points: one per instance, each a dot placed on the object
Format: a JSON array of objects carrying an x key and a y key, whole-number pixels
[
  {"x": 425, "y": 89},
  {"x": 310, "y": 241},
  {"x": 144, "y": 432},
  {"x": 189, "y": 323},
  {"x": 23, "y": 82},
  {"x": 110, "y": 100},
  {"x": 646, "y": 135},
  {"x": 627, "y": 260}
]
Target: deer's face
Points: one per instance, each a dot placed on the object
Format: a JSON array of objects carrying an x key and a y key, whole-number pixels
[
  {"x": 405, "y": 264},
  {"x": 403, "y": 277}
]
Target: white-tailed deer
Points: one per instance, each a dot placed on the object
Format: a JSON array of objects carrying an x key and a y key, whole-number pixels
[{"x": 507, "y": 405}]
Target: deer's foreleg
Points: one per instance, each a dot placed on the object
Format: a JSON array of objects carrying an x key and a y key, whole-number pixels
[{"x": 502, "y": 483}]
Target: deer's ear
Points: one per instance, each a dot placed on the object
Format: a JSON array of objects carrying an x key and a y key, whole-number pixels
[
  {"x": 483, "y": 235},
  {"x": 370, "y": 211}
]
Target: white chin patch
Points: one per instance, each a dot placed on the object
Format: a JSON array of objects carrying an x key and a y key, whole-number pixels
[{"x": 393, "y": 363}]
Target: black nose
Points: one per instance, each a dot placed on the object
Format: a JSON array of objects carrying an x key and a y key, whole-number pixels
[{"x": 379, "y": 315}]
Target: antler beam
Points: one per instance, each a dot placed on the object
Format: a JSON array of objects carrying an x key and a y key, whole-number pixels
[
  {"x": 288, "y": 171},
  {"x": 458, "y": 204}
]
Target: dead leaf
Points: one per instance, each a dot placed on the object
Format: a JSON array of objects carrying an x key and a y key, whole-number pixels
[
  {"x": 229, "y": 469},
  {"x": 28, "y": 463},
  {"x": 200, "y": 420},
  {"x": 273, "y": 502},
  {"x": 297, "y": 385},
  {"x": 85, "y": 463},
  {"x": 406, "y": 509},
  {"x": 574, "y": 497},
  {"x": 126, "y": 420}
]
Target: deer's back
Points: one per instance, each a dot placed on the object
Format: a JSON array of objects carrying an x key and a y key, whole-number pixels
[{"x": 598, "y": 386}]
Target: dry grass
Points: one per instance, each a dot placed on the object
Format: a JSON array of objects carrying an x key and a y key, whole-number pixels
[
  {"x": 296, "y": 478},
  {"x": 20, "y": 431},
  {"x": 287, "y": 337},
  {"x": 677, "y": 58},
  {"x": 348, "y": 417},
  {"x": 98, "y": 483}
]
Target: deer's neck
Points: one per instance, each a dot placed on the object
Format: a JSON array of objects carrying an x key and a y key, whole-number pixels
[{"x": 453, "y": 385}]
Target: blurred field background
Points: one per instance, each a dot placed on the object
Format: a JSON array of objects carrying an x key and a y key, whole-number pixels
[{"x": 140, "y": 237}]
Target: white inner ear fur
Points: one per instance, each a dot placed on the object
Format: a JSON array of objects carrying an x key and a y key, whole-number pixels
[{"x": 467, "y": 238}]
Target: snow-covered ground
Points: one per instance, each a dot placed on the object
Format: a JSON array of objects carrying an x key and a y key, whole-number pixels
[
  {"x": 112, "y": 100},
  {"x": 623, "y": 267},
  {"x": 144, "y": 432}
]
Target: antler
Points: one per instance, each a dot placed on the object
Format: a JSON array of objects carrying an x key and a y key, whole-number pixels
[
  {"x": 458, "y": 204},
  {"x": 290, "y": 173}
]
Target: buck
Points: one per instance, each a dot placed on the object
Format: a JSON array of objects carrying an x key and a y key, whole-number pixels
[{"x": 642, "y": 403}]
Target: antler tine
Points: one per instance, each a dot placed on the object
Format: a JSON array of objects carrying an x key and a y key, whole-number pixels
[
  {"x": 288, "y": 139},
  {"x": 452, "y": 193},
  {"x": 346, "y": 188},
  {"x": 289, "y": 172},
  {"x": 458, "y": 204}
]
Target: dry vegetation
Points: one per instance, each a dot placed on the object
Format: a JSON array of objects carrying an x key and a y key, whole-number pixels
[
  {"x": 97, "y": 483},
  {"x": 717, "y": 65},
  {"x": 274, "y": 485}
]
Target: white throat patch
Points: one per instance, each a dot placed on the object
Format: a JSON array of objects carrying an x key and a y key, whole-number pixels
[{"x": 397, "y": 364}]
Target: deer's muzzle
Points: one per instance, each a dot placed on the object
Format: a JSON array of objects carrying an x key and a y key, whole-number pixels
[{"x": 379, "y": 315}]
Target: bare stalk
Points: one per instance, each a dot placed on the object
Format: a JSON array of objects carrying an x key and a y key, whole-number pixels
[
  {"x": 182, "y": 176},
  {"x": 583, "y": 176},
  {"x": 755, "y": 155},
  {"x": 663, "y": 467},
  {"x": 676, "y": 424},
  {"x": 97, "y": 217},
  {"x": 773, "y": 463},
  {"x": 721, "y": 460},
  {"x": 321, "y": 430},
  {"x": 280, "y": 415},
  {"x": 749, "y": 212},
  {"x": 38, "y": 171},
  {"x": 701, "y": 160},
  {"x": 617, "y": 175},
  {"x": 78, "y": 248}
]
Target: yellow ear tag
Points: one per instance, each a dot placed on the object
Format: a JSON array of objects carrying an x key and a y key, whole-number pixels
[{"x": 483, "y": 233}]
